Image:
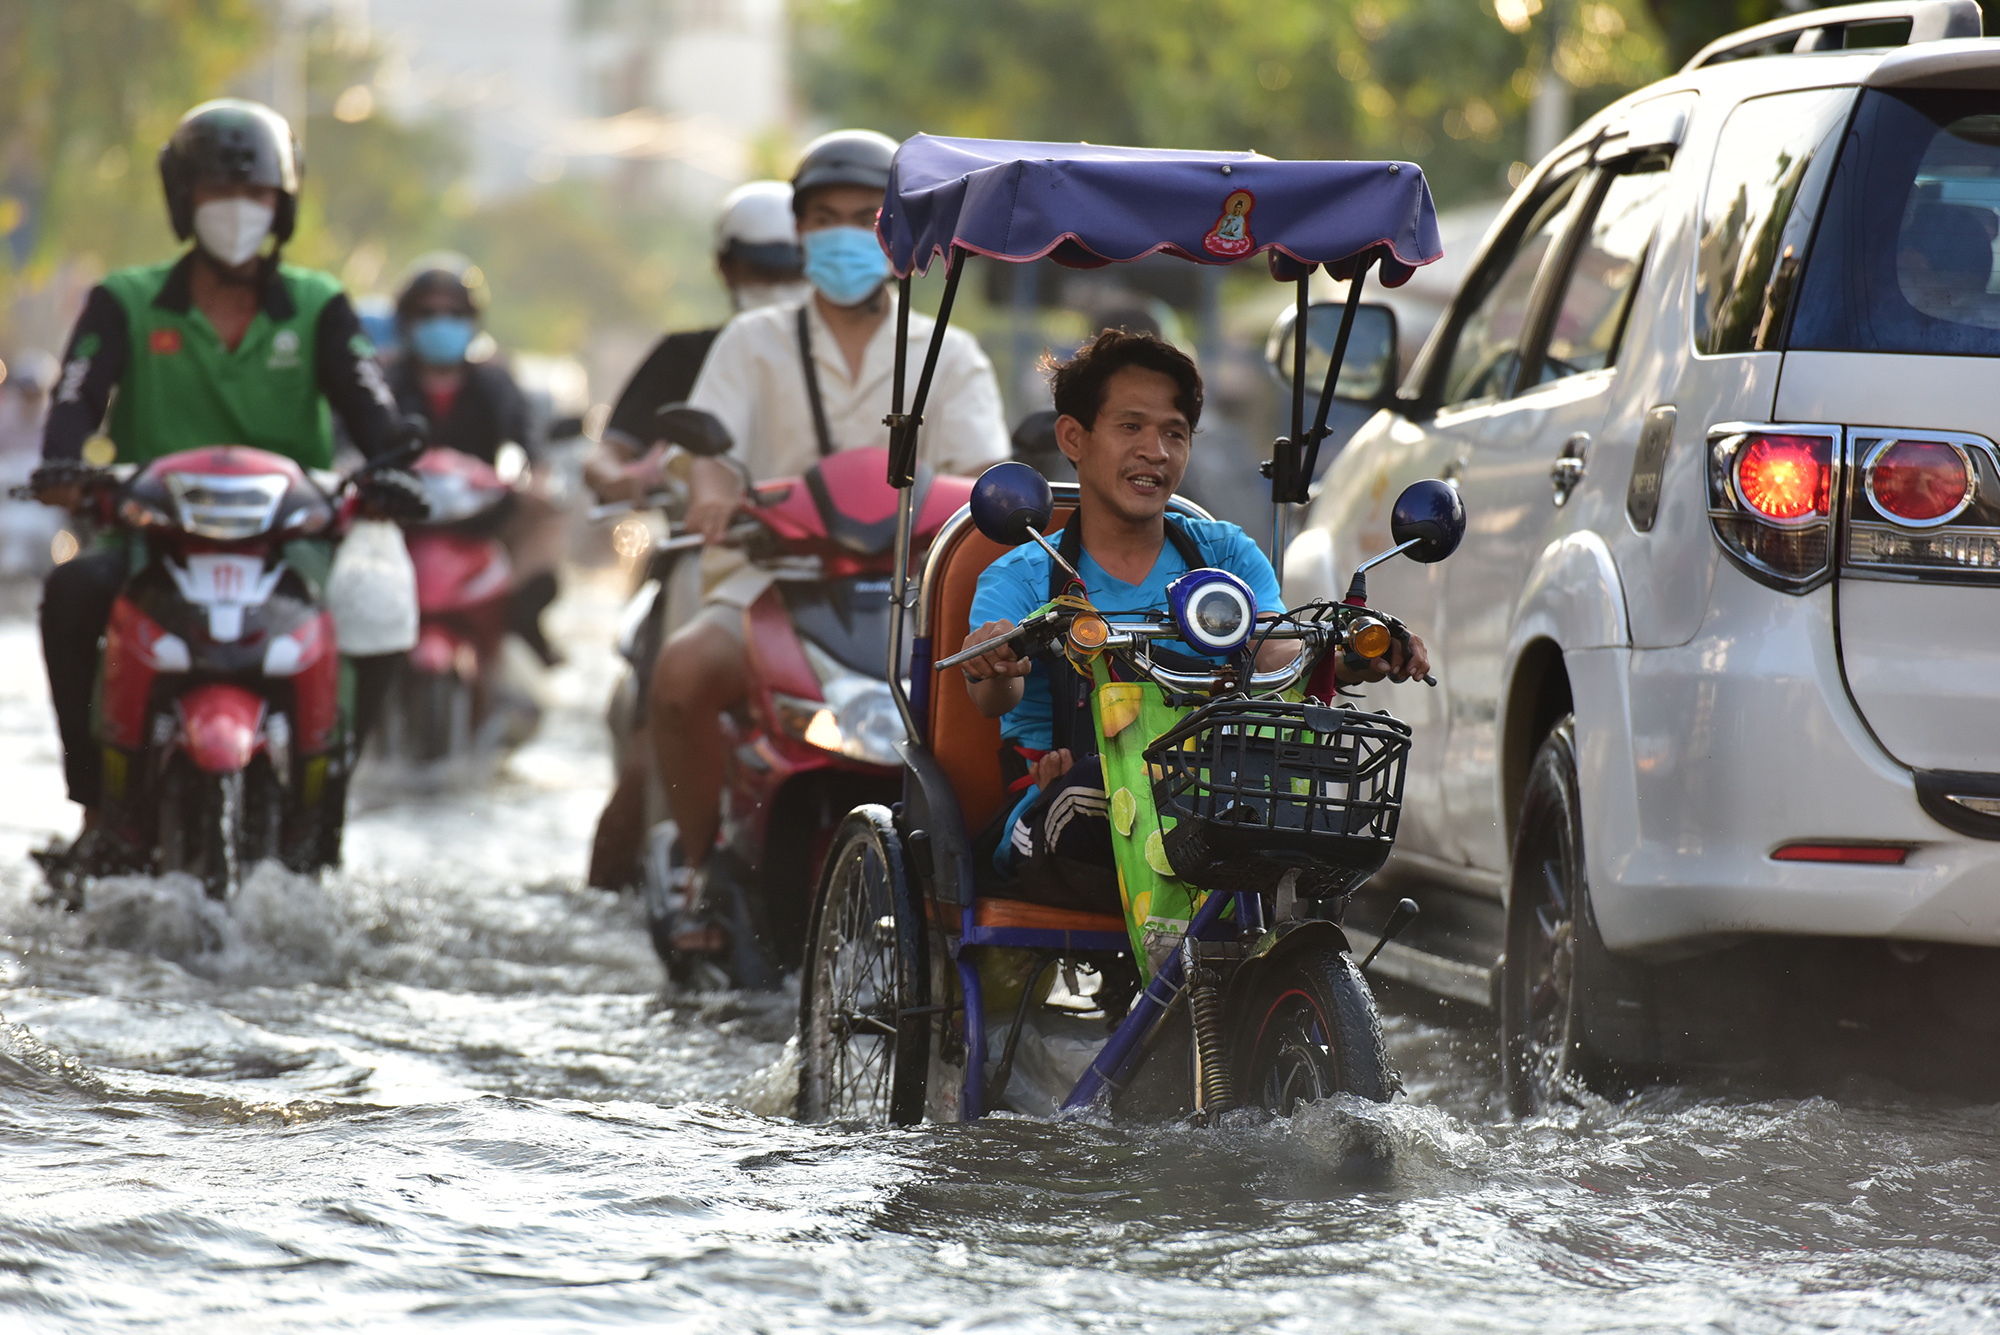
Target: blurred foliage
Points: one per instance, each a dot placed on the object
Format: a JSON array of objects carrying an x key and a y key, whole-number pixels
[
  {"x": 89, "y": 89},
  {"x": 1444, "y": 82}
]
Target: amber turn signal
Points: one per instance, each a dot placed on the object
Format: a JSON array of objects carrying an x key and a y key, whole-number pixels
[
  {"x": 1368, "y": 637},
  {"x": 1088, "y": 633}
]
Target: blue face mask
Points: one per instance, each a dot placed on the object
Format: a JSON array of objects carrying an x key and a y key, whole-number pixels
[
  {"x": 845, "y": 263},
  {"x": 442, "y": 340}
]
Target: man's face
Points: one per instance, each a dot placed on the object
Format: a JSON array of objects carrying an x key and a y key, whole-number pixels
[
  {"x": 207, "y": 192},
  {"x": 839, "y": 206},
  {"x": 1131, "y": 461}
]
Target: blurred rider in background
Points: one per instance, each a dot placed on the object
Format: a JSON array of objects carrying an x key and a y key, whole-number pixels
[
  {"x": 757, "y": 257},
  {"x": 474, "y": 407},
  {"x": 223, "y": 345},
  {"x": 794, "y": 383},
  {"x": 26, "y": 528}
]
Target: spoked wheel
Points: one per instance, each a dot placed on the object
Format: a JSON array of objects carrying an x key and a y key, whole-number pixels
[
  {"x": 864, "y": 1024},
  {"x": 1306, "y": 1029},
  {"x": 1550, "y": 933}
]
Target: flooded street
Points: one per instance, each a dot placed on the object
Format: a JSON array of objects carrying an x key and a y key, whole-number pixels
[{"x": 443, "y": 1089}]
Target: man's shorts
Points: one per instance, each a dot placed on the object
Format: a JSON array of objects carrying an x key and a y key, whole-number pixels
[{"x": 1061, "y": 845}]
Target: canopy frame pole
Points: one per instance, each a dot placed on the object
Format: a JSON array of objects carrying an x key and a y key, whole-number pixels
[
  {"x": 1285, "y": 453},
  {"x": 1333, "y": 368},
  {"x": 903, "y": 465}
]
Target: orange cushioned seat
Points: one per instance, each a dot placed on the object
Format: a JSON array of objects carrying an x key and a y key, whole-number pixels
[
  {"x": 1020, "y": 913},
  {"x": 965, "y": 742}
]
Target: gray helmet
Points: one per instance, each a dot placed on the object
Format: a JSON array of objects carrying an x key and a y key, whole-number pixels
[
  {"x": 232, "y": 141},
  {"x": 844, "y": 157}
]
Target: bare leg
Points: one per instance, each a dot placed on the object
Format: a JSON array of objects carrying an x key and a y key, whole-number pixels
[
  {"x": 614, "y": 851},
  {"x": 701, "y": 673}
]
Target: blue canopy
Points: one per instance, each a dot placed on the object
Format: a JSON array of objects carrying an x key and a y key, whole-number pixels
[{"x": 1086, "y": 206}]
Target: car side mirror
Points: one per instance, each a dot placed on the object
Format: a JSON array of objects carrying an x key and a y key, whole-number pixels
[
  {"x": 695, "y": 430},
  {"x": 1368, "y": 374},
  {"x": 1011, "y": 503},
  {"x": 1430, "y": 514}
]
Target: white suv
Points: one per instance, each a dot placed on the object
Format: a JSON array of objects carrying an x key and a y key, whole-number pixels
[{"x": 1715, "y": 746}]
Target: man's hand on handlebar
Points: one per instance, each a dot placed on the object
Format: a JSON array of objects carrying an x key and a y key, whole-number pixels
[
  {"x": 625, "y": 479},
  {"x": 715, "y": 490},
  {"x": 994, "y": 679},
  {"x": 1403, "y": 662}
]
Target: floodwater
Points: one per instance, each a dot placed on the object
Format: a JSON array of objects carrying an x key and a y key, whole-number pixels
[{"x": 443, "y": 1090}]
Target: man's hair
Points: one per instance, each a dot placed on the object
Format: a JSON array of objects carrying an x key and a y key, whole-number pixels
[{"x": 1079, "y": 382}]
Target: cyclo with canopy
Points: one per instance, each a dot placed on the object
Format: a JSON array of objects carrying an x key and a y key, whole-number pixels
[{"x": 1246, "y": 806}]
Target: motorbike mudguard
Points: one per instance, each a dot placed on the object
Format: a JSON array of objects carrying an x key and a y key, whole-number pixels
[
  {"x": 220, "y": 722},
  {"x": 1283, "y": 943},
  {"x": 437, "y": 651}
]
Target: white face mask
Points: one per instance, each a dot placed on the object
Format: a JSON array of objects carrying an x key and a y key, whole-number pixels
[
  {"x": 750, "y": 296},
  {"x": 232, "y": 229}
]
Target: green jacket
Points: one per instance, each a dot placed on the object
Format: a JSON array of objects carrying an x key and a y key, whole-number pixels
[{"x": 177, "y": 387}]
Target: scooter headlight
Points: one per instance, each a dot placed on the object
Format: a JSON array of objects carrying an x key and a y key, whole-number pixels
[
  {"x": 856, "y": 717},
  {"x": 1214, "y": 610}
]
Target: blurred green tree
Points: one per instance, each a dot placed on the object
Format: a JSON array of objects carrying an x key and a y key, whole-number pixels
[
  {"x": 89, "y": 89},
  {"x": 1446, "y": 82}
]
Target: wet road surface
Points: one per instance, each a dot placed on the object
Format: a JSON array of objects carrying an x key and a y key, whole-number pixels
[{"x": 442, "y": 1089}]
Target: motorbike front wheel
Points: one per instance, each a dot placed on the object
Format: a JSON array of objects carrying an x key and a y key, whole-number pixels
[
  {"x": 1306, "y": 1029},
  {"x": 216, "y": 827},
  {"x": 864, "y": 1019}
]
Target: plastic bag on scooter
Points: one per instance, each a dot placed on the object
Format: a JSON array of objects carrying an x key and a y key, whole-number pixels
[{"x": 372, "y": 591}]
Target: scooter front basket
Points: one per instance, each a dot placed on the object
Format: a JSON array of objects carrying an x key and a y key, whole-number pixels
[{"x": 1260, "y": 787}]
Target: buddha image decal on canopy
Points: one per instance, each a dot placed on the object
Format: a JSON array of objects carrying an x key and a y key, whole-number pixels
[{"x": 1230, "y": 237}]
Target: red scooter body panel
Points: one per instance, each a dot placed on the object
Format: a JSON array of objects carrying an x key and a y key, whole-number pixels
[
  {"x": 220, "y": 722},
  {"x": 777, "y": 660},
  {"x": 456, "y": 571},
  {"x": 316, "y": 691},
  {"x": 128, "y": 674}
]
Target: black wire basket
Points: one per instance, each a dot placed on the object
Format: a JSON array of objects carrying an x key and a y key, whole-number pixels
[{"x": 1261, "y": 787}]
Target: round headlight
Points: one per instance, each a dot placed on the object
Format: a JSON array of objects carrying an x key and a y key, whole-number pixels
[{"x": 1214, "y": 610}]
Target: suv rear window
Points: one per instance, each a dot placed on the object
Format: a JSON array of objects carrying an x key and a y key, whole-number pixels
[{"x": 1905, "y": 259}]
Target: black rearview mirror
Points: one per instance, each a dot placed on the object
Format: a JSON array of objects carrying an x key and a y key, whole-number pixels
[
  {"x": 1369, "y": 372},
  {"x": 695, "y": 430}
]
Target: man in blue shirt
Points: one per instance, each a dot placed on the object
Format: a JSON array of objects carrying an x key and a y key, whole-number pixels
[{"x": 1127, "y": 408}]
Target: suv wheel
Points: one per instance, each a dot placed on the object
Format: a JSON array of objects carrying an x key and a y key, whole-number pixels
[{"x": 1553, "y": 946}]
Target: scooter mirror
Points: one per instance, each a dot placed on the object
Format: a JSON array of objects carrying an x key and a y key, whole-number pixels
[
  {"x": 1010, "y": 501},
  {"x": 695, "y": 430},
  {"x": 1431, "y": 514}
]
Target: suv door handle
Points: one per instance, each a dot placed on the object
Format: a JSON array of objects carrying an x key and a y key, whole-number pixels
[{"x": 1569, "y": 467}]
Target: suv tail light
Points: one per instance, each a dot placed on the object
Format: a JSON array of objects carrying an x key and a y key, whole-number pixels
[
  {"x": 1770, "y": 500},
  {"x": 1923, "y": 503}
]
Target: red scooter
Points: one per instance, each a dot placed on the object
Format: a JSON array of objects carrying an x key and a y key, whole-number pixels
[
  {"x": 219, "y": 708},
  {"x": 819, "y": 727},
  {"x": 443, "y": 704}
]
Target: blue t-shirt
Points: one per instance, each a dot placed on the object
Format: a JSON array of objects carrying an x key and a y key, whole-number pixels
[{"x": 1018, "y": 583}]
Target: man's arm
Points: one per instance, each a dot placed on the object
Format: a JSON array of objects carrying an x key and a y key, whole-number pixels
[
  {"x": 99, "y": 348},
  {"x": 727, "y": 387},
  {"x": 352, "y": 381}
]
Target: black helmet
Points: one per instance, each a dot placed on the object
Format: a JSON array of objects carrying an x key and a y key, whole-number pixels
[
  {"x": 230, "y": 140},
  {"x": 845, "y": 157},
  {"x": 444, "y": 271}
]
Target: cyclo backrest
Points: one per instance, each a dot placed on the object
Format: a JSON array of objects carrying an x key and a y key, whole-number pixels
[{"x": 965, "y": 742}]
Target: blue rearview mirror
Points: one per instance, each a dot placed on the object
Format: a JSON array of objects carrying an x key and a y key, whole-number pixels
[
  {"x": 1010, "y": 501},
  {"x": 1432, "y": 514}
]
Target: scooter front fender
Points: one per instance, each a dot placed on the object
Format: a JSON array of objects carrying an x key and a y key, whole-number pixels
[
  {"x": 220, "y": 723},
  {"x": 1280, "y": 946}
]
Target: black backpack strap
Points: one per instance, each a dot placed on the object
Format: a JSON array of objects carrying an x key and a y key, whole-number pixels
[{"x": 812, "y": 384}]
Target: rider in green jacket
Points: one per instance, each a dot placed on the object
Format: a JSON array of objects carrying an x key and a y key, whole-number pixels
[{"x": 225, "y": 345}]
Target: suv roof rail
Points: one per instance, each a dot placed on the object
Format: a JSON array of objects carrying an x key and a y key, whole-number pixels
[{"x": 1826, "y": 29}]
